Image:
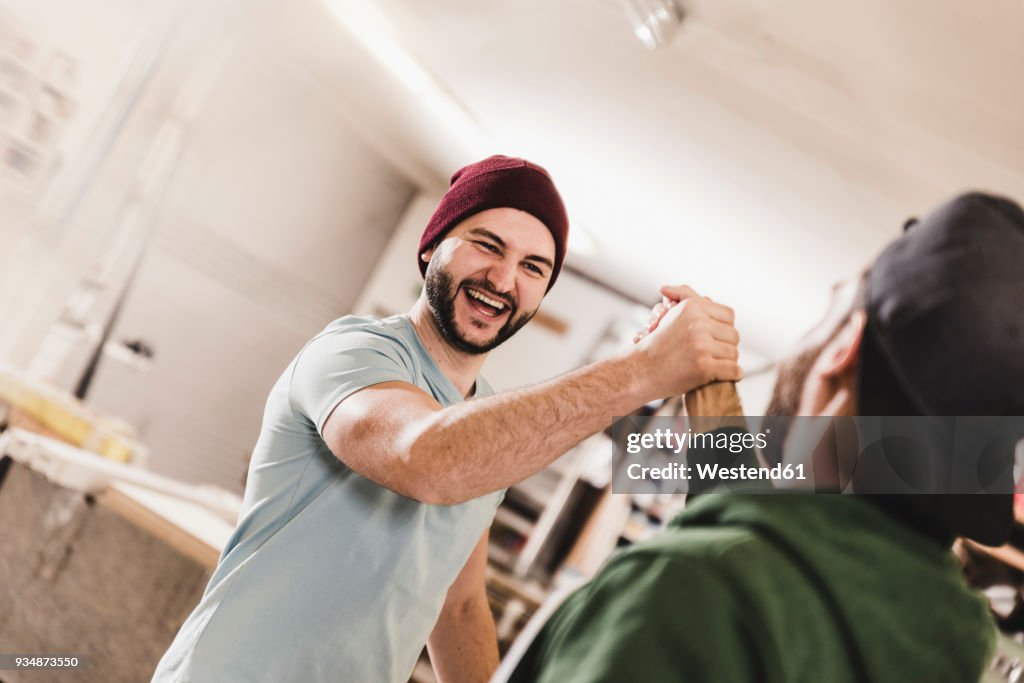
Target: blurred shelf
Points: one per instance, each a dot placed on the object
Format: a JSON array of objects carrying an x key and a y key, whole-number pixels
[
  {"x": 510, "y": 519},
  {"x": 500, "y": 557},
  {"x": 530, "y": 591},
  {"x": 1007, "y": 554}
]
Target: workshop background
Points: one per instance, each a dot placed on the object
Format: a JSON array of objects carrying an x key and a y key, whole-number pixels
[{"x": 190, "y": 190}]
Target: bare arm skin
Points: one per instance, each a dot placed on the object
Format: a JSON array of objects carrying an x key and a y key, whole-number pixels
[
  {"x": 464, "y": 646},
  {"x": 706, "y": 405},
  {"x": 399, "y": 437},
  {"x": 714, "y": 406}
]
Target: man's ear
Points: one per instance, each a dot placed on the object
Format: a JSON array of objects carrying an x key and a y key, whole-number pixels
[
  {"x": 425, "y": 256},
  {"x": 843, "y": 352}
]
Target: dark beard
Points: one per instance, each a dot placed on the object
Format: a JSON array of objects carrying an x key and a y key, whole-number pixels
[
  {"x": 786, "y": 394},
  {"x": 441, "y": 293},
  {"x": 785, "y": 401}
]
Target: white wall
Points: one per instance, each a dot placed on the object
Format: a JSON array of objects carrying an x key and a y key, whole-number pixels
[
  {"x": 41, "y": 255},
  {"x": 275, "y": 215}
]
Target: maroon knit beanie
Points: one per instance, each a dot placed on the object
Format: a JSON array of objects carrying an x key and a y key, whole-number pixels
[{"x": 500, "y": 182}]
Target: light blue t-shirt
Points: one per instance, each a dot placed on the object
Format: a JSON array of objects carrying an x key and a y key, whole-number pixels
[{"x": 328, "y": 576}]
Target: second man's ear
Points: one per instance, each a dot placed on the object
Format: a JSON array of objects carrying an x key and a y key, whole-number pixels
[
  {"x": 425, "y": 256},
  {"x": 842, "y": 354}
]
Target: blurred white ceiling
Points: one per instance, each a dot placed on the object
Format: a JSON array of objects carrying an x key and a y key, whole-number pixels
[{"x": 771, "y": 149}]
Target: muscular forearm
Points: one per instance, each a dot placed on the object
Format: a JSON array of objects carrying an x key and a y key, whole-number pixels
[{"x": 480, "y": 446}]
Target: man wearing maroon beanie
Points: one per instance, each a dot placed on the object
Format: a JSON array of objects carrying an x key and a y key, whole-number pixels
[
  {"x": 363, "y": 534},
  {"x": 519, "y": 196}
]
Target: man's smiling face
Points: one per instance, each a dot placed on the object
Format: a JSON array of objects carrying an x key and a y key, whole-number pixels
[{"x": 488, "y": 276}]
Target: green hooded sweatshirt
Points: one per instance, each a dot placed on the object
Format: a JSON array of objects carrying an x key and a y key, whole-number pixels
[{"x": 771, "y": 588}]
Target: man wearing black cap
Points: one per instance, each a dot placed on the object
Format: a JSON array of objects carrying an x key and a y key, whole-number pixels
[
  {"x": 837, "y": 588},
  {"x": 374, "y": 480}
]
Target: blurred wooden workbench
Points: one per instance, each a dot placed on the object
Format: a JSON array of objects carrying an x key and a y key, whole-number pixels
[{"x": 106, "y": 575}]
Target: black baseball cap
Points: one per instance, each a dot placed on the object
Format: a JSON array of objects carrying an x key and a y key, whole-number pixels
[{"x": 945, "y": 337}]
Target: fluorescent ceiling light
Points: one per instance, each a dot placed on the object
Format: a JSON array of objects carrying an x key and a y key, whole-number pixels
[
  {"x": 375, "y": 33},
  {"x": 655, "y": 22}
]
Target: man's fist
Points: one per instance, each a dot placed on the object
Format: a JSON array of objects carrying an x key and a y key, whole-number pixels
[{"x": 690, "y": 341}]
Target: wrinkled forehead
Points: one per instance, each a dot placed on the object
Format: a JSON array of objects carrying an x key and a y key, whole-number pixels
[
  {"x": 846, "y": 296},
  {"x": 514, "y": 228}
]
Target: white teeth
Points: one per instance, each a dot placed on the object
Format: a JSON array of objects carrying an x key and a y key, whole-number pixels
[{"x": 487, "y": 300}]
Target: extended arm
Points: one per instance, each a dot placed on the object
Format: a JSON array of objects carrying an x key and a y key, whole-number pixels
[{"x": 398, "y": 436}]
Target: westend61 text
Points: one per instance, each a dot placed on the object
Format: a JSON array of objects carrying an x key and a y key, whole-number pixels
[{"x": 715, "y": 472}]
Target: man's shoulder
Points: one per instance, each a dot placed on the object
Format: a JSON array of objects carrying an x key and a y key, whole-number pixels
[
  {"x": 713, "y": 559},
  {"x": 391, "y": 336},
  {"x": 648, "y": 613},
  {"x": 395, "y": 327},
  {"x": 679, "y": 562},
  {"x": 351, "y": 353},
  {"x": 715, "y": 544}
]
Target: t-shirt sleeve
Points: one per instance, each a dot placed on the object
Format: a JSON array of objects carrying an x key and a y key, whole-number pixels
[
  {"x": 335, "y": 365},
  {"x": 644, "y": 618}
]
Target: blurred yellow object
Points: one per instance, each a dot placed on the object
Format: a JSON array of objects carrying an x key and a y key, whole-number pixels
[{"x": 49, "y": 411}]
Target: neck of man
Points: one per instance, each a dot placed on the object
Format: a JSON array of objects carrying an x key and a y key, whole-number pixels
[{"x": 459, "y": 367}]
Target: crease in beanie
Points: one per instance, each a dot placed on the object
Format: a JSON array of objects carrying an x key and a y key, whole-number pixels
[{"x": 500, "y": 182}]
